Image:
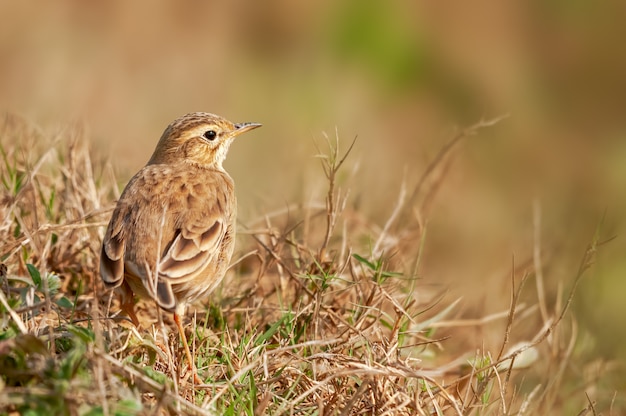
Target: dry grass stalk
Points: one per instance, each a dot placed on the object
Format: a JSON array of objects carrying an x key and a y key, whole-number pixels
[{"x": 315, "y": 319}]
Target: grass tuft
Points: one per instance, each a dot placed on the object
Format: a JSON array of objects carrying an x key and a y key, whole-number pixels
[{"x": 323, "y": 311}]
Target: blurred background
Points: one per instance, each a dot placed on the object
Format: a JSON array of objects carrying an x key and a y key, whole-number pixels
[{"x": 402, "y": 76}]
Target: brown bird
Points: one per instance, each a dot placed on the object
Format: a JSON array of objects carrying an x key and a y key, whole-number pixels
[{"x": 171, "y": 235}]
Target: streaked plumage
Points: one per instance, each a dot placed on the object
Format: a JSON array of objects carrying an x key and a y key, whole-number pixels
[{"x": 171, "y": 235}]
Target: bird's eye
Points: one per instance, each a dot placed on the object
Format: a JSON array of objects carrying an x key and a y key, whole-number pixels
[{"x": 210, "y": 135}]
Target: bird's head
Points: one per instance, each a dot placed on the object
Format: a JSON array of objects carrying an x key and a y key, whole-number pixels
[{"x": 198, "y": 138}]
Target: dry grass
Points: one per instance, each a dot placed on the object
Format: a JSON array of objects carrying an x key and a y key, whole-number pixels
[{"x": 324, "y": 312}]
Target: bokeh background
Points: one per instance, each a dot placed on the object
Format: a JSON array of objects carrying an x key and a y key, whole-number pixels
[{"x": 399, "y": 75}]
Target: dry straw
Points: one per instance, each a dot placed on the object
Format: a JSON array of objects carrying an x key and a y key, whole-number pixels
[{"x": 322, "y": 312}]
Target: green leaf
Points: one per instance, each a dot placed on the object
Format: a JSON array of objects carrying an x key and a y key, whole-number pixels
[
  {"x": 122, "y": 408},
  {"x": 95, "y": 411},
  {"x": 34, "y": 274},
  {"x": 253, "y": 393},
  {"x": 155, "y": 375},
  {"x": 72, "y": 363},
  {"x": 84, "y": 334},
  {"x": 364, "y": 261},
  {"x": 270, "y": 331},
  {"x": 65, "y": 303},
  {"x": 128, "y": 408}
]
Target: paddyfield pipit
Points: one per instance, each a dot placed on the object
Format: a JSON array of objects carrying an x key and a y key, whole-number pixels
[{"x": 171, "y": 235}]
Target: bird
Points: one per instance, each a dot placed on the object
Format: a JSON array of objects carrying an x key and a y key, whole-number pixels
[{"x": 171, "y": 235}]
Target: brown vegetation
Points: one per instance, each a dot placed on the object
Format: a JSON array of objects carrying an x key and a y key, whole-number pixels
[{"x": 324, "y": 311}]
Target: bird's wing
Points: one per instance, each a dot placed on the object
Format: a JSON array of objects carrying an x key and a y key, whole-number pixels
[
  {"x": 190, "y": 227},
  {"x": 112, "y": 253},
  {"x": 193, "y": 247}
]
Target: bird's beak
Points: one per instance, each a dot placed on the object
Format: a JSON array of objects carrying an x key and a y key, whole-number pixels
[{"x": 244, "y": 127}]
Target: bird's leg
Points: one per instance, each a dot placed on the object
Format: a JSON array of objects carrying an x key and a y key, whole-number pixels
[
  {"x": 192, "y": 365},
  {"x": 128, "y": 306}
]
